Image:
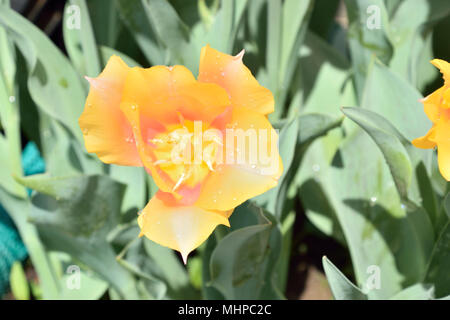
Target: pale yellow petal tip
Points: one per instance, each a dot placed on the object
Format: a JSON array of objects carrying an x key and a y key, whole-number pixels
[
  {"x": 442, "y": 65},
  {"x": 185, "y": 255},
  {"x": 439, "y": 63},
  {"x": 240, "y": 55}
]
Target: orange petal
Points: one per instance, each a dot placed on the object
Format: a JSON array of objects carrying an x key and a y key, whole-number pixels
[
  {"x": 161, "y": 93},
  {"x": 444, "y": 67},
  {"x": 444, "y": 159},
  {"x": 155, "y": 98},
  {"x": 431, "y": 104},
  {"x": 105, "y": 129},
  {"x": 240, "y": 179},
  {"x": 427, "y": 141},
  {"x": 230, "y": 73},
  {"x": 182, "y": 228}
]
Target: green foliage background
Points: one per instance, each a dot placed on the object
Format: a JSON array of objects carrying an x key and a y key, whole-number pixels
[{"x": 352, "y": 169}]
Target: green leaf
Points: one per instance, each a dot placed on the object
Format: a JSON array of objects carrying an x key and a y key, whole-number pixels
[
  {"x": 241, "y": 265},
  {"x": 74, "y": 215},
  {"x": 53, "y": 83},
  {"x": 365, "y": 43},
  {"x": 447, "y": 205},
  {"x": 88, "y": 43},
  {"x": 18, "y": 282},
  {"x": 439, "y": 263},
  {"x": 387, "y": 139},
  {"x": 195, "y": 272},
  {"x": 341, "y": 287},
  {"x": 106, "y": 24},
  {"x": 416, "y": 292},
  {"x": 134, "y": 180},
  {"x": 312, "y": 89},
  {"x": 79, "y": 206},
  {"x": 347, "y": 175},
  {"x": 394, "y": 98},
  {"x": 91, "y": 287},
  {"x": 315, "y": 125},
  {"x": 169, "y": 268},
  {"x": 134, "y": 16},
  {"x": 285, "y": 34}
]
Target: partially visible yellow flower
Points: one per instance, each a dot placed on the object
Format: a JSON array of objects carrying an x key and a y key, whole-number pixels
[
  {"x": 152, "y": 117},
  {"x": 437, "y": 108}
]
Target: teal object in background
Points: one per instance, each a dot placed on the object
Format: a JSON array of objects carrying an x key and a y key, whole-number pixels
[{"x": 11, "y": 246}]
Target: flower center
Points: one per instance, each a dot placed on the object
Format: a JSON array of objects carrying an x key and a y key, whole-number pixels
[{"x": 187, "y": 152}]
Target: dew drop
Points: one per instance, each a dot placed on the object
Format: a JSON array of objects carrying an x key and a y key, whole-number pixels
[
  {"x": 373, "y": 200},
  {"x": 316, "y": 167},
  {"x": 12, "y": 99},
  {"x": 403, "y": 206},
  {"x": 133, "y": 107}
]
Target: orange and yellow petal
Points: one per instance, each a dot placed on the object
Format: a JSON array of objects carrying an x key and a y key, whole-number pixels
[
  {"x": 230, "y": 73},
  {"x": 444, "y": 67},
  {"x": 427, "y": 141},
  {"x": 251, "y": 170},
  {"x": 181, "y": 228},
  {"x": 443, "y": 151},
  {"x": 105, "y": 128}
]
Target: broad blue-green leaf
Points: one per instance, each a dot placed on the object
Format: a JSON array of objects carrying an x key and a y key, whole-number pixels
[
  {"x": 74, "y": 215},
  {"x": 53, "y": 83},
  {"x": 439, "y": 263},
  {"x": 134, "y": 180},
  {"x": 105, "y": 21},
  {"x": 221, "y": 36},
  {"x": 91, "y": 288},
  {"x": 169, "y": 268},
  {"x": 322, "y": 81},
  {"x": 242, "y": 264},
  {"x": 172, "y": 33},
  {"x": 365, "y": 42},
  {"x": 384, "y": 135},
  {"x": 79, "y": 206},
  {"x": 411, "y": 35},
  {"x": 285, "y": 34},
  {"x": 395, "y": 99},
  {"x": 416, "y": 292},
  {"x": 88, "y": 43},
  {"x": 134, "y": 16},
  {"x": 356, "y": 186},
  {"x": 341, "y": 287}
]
